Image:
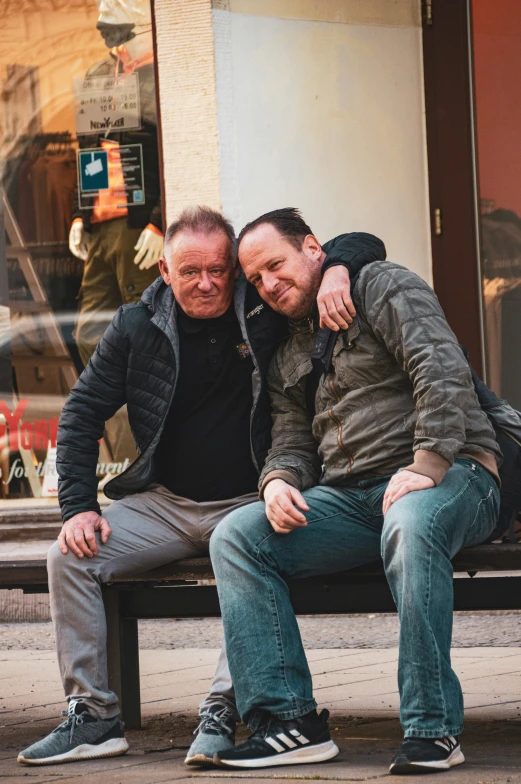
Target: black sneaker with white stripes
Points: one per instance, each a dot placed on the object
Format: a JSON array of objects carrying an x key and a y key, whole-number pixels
[
  {"x": 276, "y": 742},
  {"x": 426, "y": 755}
]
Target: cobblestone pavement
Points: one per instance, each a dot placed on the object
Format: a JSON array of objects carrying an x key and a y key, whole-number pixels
[{"x": 499, "y": 629}]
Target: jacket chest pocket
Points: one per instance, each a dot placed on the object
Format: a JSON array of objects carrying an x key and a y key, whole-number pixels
[
  {"x": 348, "y": 339},
  {"x": 294, "y": 376},
  {"x": 297, "y": 363},
  {"x": 344, "y": 354},
  {"x": 359, "y": 360}
]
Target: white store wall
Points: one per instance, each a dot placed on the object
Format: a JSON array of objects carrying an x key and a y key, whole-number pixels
[{"x": 327, "y": 116}]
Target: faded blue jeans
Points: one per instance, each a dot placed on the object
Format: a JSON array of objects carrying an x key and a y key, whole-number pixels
[{"x": 419, "y": 535}]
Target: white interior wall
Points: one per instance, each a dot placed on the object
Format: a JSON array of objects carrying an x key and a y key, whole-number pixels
[{"x": 326, "y": 116}]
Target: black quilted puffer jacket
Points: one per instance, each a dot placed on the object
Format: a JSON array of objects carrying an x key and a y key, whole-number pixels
[{"x": 137, "y": 363}]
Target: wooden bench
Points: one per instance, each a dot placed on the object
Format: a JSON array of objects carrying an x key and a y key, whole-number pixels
[{"x": 186, "y": 589}]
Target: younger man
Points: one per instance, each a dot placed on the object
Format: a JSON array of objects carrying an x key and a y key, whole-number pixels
[{"x": 406, "y": 467}]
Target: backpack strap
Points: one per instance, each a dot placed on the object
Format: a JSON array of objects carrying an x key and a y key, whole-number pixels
[{"x": 322, "y": 361}]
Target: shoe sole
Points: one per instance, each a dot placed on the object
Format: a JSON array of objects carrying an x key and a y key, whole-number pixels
[
  {"x": 114, "y": 747},
  {"x": 200, "y": 759},
  {"x": 413, "y": 768},
  {"x": 318, "y": 753}
]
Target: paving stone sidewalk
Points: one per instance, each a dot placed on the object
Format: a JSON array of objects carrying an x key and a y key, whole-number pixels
[
  {"x": 471, "y": 630},
  {"x": 358, "y": 687}
]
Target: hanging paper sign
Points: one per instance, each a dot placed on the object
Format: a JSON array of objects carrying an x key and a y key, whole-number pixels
[{"x": 107, "y": 104}]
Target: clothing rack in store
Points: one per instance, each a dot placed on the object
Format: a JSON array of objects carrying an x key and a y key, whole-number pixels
[
  {"x": 26, "y": 145},
  {"x": 40, "y": 182},
  {"x": 42, "y": 139}
]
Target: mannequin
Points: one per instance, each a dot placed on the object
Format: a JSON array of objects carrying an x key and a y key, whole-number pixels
[{"x": 120, "y": 244}]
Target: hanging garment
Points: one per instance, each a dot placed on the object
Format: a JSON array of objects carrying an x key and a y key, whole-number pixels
[
  {"x": 25, "y": 208},
  {"x": 61, "y": 172},
  {"x": 53, "y": 179},
  {"x": 501, "y": 244}
]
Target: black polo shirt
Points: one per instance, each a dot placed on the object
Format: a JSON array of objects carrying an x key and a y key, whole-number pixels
[{"x": 204, "y": 452}]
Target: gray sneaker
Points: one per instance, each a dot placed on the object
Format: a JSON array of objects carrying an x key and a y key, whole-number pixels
[
  {"x": 216, "y": 732},
  {"x": 81, "y": 736}
]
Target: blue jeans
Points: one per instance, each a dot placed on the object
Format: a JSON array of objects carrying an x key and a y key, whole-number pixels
[{"x": 419, "y": 535}]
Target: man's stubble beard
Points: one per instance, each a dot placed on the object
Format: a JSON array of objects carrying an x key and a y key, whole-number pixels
[
  {"x": 307, "y": 297},
  {"x": 302, "y": 309}
]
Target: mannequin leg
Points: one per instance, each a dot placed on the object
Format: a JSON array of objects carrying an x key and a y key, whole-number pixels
[
  {"x": 132, "y": 281},
  {"x": 99, "y": 294}
]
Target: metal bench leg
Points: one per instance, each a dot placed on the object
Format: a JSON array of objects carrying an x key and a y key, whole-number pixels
[{"x": 123, "y": 659}]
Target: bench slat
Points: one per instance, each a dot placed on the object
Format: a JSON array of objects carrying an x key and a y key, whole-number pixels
[{"x": 487, "y": 558}]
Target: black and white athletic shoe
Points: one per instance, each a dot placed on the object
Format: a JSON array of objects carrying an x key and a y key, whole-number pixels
[
  {"x": 276, "y": 742},
  {"x": 426, "y": 755}
]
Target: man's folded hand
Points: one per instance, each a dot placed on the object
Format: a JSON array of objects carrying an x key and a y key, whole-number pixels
[{"x": 282, "y": 506}]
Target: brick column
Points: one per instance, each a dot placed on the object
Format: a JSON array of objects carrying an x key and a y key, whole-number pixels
[{"x": 185, "y": 54}]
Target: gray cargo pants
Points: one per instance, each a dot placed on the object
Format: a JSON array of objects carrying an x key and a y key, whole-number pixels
[{"x": 148, "y": 529}]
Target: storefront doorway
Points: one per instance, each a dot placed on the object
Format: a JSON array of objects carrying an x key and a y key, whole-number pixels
[
  {"x": 472, "y": 87},
  {"x": 496, "y": 43},
  {"x": 473, "y": 99}
]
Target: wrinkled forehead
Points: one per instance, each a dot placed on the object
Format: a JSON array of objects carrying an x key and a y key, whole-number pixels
[
  {"x": 189, "y": 247},
  {"x": 124, "y": 11}
]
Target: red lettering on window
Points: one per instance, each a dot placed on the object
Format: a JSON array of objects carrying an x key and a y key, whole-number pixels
[
  {"x": 53, "y": 430},
  {"x": 41, "y": 439},
  {"x": 13, "y": 420},
  {"x": 26, "y": 435}
]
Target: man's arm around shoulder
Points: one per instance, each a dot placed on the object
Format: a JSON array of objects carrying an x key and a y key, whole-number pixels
[{"x": 346, "y": 256}]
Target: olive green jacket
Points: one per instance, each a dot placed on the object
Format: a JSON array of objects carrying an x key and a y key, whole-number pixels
[{"x": 400, "y": 393}]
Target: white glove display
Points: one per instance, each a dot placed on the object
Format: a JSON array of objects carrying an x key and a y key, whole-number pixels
[
  {"x": 149, "y": 249},
  {"x": 79, "y": 241}
]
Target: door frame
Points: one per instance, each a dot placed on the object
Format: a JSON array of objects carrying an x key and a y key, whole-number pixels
[
  {"x": 158, "y": 117},
  {"x": 452, "y": 167}
]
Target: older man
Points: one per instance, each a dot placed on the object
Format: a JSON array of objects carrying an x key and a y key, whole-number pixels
[
  {"x": 406, "y": 466},
  {"x": 190, "y": 362}
]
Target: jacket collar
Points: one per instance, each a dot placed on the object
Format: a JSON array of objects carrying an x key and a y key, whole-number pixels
[
  {"x": 239, "y": 298},
  {"x": 309, "y": 324},
  {"x": 152, "y": 296}
]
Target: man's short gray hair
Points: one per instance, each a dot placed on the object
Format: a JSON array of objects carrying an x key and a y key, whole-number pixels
[{"x": 205, "y": 220}]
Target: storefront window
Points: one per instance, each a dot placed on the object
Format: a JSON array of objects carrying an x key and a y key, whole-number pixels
[
  {"x": 81, "y": 211},
  {"x": 497, "y": 79}
]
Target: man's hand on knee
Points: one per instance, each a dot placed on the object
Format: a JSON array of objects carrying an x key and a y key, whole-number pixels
[
  {"x": 402, "y": 483},
  {"x": 282, "y": 501},
  {"x": 79, "y": 533}
]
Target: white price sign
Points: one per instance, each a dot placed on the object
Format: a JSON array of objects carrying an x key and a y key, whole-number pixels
[
  {"x": 50, "y": 476},
  {"x": 107, "y": 103}
]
